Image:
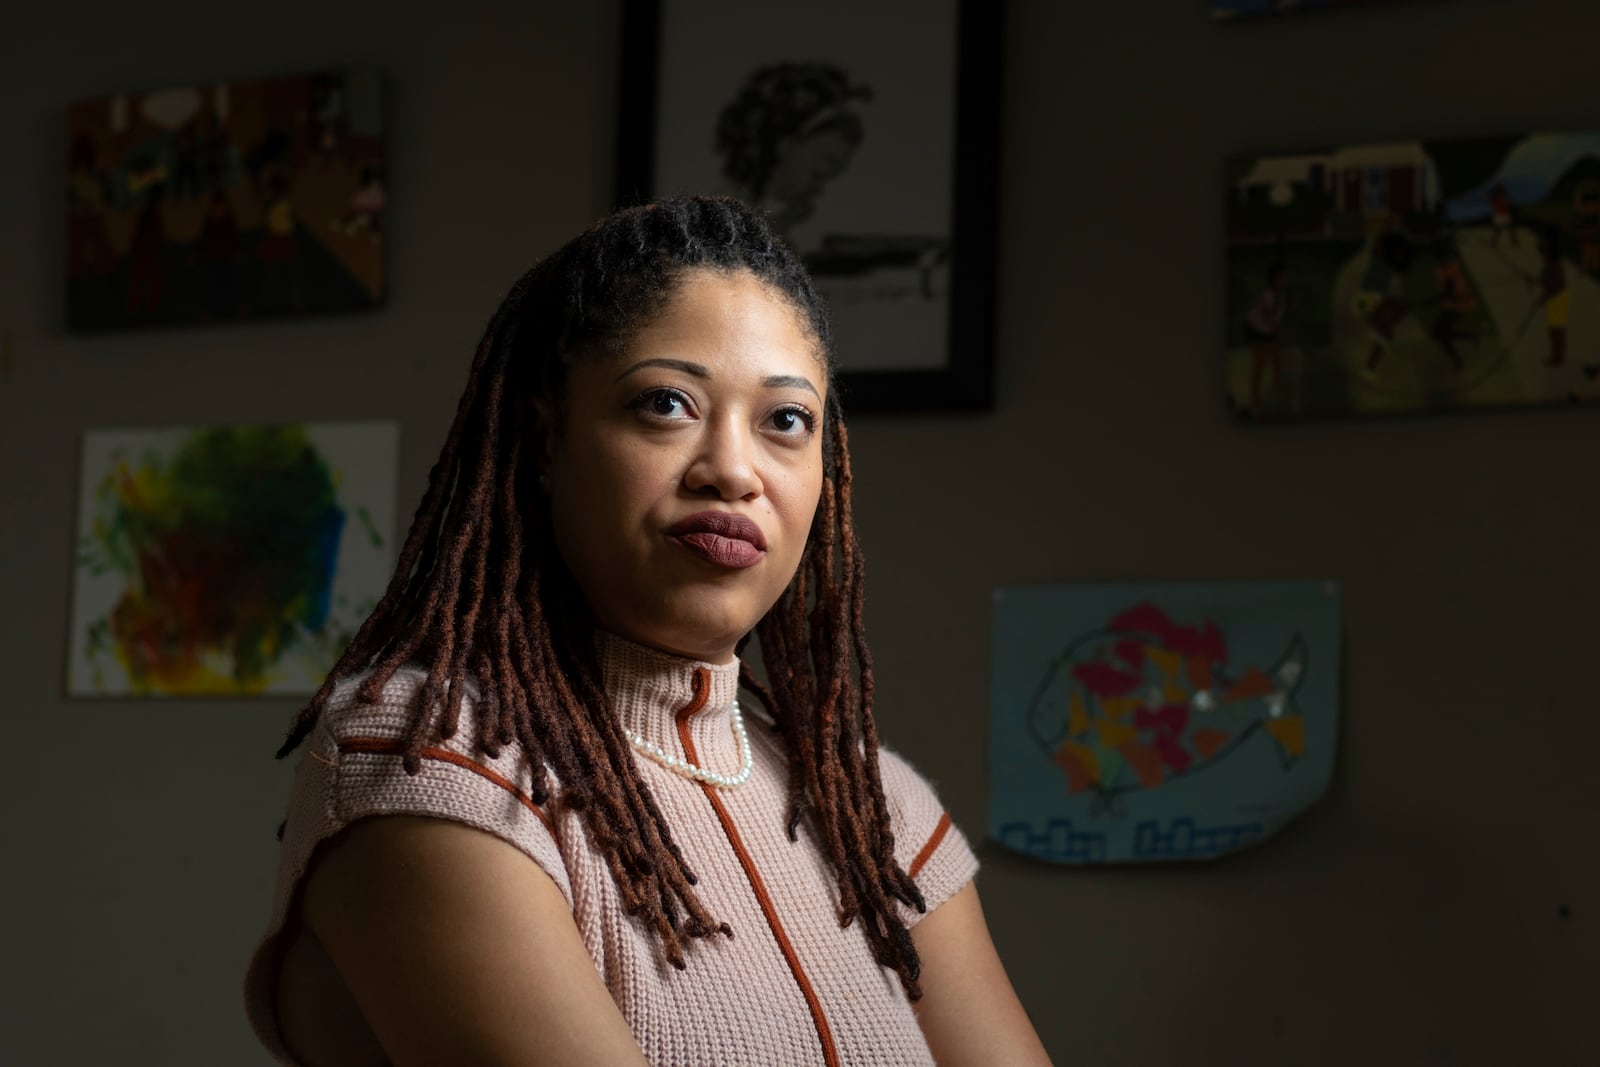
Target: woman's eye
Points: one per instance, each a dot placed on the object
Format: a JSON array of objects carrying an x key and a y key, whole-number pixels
[
  {"x": 662, "y": 403},
  {"x": 797, "y": 421}
]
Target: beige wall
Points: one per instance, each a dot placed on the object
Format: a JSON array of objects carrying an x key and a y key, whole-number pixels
[{"x": 1413, "y": 918}]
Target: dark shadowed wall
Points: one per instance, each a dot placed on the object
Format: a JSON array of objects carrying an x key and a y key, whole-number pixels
[{"x": 1441, "y": 906}]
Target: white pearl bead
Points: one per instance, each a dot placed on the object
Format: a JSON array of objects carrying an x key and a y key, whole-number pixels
[{"x": 700, "y": 774}]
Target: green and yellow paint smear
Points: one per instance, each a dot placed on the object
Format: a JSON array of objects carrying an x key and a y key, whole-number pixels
[{"x": 227, "y": 547}]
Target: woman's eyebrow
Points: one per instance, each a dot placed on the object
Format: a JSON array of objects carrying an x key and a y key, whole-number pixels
[
  {"x": 789, "y": 381},
  {"x": 699, "y": 370},
  {"x": 696, "y": 370}
]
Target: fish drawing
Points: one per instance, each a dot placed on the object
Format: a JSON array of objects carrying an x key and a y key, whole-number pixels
[{"x": 1147, "y": 700}]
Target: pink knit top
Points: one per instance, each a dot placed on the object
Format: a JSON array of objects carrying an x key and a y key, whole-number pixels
[{"x": 789, "y": 988}]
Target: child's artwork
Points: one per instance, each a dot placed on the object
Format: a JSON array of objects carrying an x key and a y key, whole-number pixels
[
  {"x": 220, "y": 203},
  {"x": 1137, "y": 723},
  {"x": 227, "y": 560},
  {"x": 1229, "y": 9},
  {"x": 1425, "y": 275}
]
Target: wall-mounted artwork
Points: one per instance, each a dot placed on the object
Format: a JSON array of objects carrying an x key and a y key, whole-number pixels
[
  {"x": 227, "y": 202},
  {"x": 227, "y": 560},
  {"x": 1143, "y": 723},
  {"x": 1414, "y": 276},
  {"x": 867, "y": 133}
]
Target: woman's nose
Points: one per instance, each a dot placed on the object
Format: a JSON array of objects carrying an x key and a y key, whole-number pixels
[{"x": 724, "y": 463}]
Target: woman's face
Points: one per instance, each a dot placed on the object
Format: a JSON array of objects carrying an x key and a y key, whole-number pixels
[{"x": 690, "y": 465}]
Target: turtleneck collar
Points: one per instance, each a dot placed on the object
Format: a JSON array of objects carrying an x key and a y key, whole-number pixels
[{"x": 651, "y": 690}]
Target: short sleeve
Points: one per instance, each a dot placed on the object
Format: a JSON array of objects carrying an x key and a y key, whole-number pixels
[
  {"x": 455, "y": 782},
  {"x": 931, "y": 848},
  {"x": 350, "y": 768}
]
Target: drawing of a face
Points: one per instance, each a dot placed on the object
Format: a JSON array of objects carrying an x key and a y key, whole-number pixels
[
  {"x": 805, "y": 164},
  {"x": 792, "y": 129}
]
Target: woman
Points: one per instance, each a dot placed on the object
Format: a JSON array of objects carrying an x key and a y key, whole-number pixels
[{"x": 533, "y": 824}]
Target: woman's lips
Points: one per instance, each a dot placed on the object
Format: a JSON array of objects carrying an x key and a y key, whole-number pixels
[
  {"x": 723, "y": 551},
  {"x": 720, "y": 538}
]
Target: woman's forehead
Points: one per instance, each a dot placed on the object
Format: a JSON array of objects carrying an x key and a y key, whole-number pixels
[{"x": 735, "y": 319}]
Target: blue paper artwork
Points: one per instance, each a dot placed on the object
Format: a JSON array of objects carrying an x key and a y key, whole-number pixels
[{"x": 1138, "y": 723}]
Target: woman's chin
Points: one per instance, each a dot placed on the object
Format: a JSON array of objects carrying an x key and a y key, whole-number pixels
[
  {"x": 708, "y": 637},
  {"x": 688, "y": 644}
]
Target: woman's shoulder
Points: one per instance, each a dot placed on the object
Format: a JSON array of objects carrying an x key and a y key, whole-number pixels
[
  {"x": 367, "y": 765},
  {"x": 368, "y": 734},
  {"x": 927, "y": 842},
  {"x": 905, "y": 787},
  {"x": 354, "y": 710}
]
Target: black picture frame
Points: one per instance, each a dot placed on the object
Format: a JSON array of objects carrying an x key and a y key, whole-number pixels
[{"x": 963, "y": 380}]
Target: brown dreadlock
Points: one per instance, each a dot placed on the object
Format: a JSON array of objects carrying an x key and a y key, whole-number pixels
[{"x": 479, "y": 596}]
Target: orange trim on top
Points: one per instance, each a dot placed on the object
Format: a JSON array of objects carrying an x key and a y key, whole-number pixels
[
  {"x": 931, "y": 847},
  {"x": 383, "y": 746},
  {"x": 702, "y": 689},
  {"x": 700, "y": 684}
]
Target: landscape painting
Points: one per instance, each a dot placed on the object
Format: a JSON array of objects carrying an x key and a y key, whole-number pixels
[
  {"x": 227, "y": 202},
  {"x": 1414, "y": 276},
  {"x": 227, "y": 560}
]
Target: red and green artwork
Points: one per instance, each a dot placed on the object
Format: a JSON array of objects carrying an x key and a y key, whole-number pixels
[
  {"x": 1147, "y": 700},
  {"x": 1414, "y": 276},
  {"x": 1132, "y": 724},
  {"x": 226, "y": 202},
  {"x": 227, "y": 559}
]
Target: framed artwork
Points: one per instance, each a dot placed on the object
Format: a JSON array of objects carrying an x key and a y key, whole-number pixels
[
  {"x": 227, "y": 560},
  {"x": 868, "y": 134},
  {"x": 227, "y": 202},
  {"x": 1373, "y": 279},
  {"x": 1131, "y": 724}
]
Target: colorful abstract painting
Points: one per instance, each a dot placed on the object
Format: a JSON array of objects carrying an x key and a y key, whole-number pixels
[
  {"x": 1414, "y": 276},
  {"x": 1145, "y": 723},
  {"x": 227, "y": 202},
  {"x": 228, "y": 560}
]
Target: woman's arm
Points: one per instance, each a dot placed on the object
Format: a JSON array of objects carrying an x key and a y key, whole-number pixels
[
  {"x": 460, "y": 949},
  {"x": 968, "y": 1011}
]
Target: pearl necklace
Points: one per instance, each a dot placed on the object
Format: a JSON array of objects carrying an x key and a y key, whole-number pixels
[{"x": 690, "y": 770}]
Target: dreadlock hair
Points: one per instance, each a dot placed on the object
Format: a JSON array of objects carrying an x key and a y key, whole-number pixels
[{"x": 480, "y": 596}]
